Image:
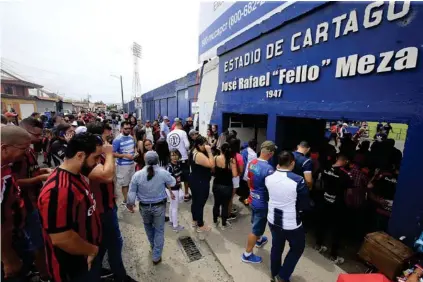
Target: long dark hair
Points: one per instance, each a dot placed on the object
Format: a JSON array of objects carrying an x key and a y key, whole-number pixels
[
  {"x": 198, "y": 142},
  {"x": 162, "y": 149},
  {"x": 150, "y": 172},
  {"x": 227, "y": 153}
]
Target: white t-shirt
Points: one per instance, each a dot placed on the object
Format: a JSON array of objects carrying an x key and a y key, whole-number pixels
[
  {"x": 149, "y": 133},
  {"x": 178, "y": 139}
]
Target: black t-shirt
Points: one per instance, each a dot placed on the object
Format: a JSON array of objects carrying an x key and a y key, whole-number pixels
[
  {"x": 385, "y": 185},
  {"x": 387, "y": 128},
  {"x": 335, "y": 181},
  {"x": 58, "y": 151},
  {"x": 176, "y": 172}
]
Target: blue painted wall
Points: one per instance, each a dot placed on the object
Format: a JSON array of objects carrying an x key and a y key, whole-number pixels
[
  {"x": 393, "y": 95},
  {"x": 169, "y": 99}
]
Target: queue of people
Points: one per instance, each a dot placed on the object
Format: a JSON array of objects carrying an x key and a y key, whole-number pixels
[{"x": 61, "y": 223}]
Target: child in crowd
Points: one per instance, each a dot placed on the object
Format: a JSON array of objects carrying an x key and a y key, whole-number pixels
[{"x": 175, "y": 169}]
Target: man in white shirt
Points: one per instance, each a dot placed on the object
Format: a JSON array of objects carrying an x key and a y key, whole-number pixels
[
  {"x": 149, "y": 131},
  {"x": 178, "y": 140},
  {"x": 288, "y": 196}
]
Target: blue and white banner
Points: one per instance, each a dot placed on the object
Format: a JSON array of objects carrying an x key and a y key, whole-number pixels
[{"x": 221, "y": 21}]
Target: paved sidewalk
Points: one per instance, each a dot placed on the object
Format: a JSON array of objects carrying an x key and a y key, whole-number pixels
[
  {"x": 175, "y": 267},
  {"x": 228, "y": 245}
]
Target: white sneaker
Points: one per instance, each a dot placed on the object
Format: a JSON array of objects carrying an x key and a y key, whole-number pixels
[
  {"x": 228, "y": 225},
  {"x": 321, "y": 249},
  {"x": 216, "y": 224},
  {"x": 178, "y": 228},
  {"x": 338, "y": 260}
]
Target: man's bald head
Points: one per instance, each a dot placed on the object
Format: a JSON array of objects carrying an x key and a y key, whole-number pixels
[
  {"x": 14, "y": 143},
  {"x": 12, "y": 135}
]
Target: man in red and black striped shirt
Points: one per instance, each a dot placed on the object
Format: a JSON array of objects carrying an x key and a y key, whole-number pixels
[
  {"x": 71, "y": 225},
  {"x": 14, "y": 142},
  {"x": 29, "y": 177},
  {"x": 101, "y": 183}
]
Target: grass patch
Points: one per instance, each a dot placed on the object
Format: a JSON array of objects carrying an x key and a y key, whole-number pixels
[{"x": 399, "y": 130}]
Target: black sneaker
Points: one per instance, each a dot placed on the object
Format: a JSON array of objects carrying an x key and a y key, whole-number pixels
[
  {"x": 157, "y": 262},
  {"x": 232, "y": 216},
  {"x": 166, "y": 219},
  {"x": 187, "y": 198},
  {"x": 106, "y": 273}
]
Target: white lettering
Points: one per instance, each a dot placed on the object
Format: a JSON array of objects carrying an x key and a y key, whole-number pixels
[
  {"x": 391, "y": 10},
  {"x": 278, "y": 47},
  {"x": 337, "y": 21},
  {"x": 226, "y": 66},
  {"x": 372, "y": 19},
  {"x": 352, "y": 23},
  {"x": 346, "y": 66},
  {"x": 246, "y": 59},
  {"x": 290, "y": 76},
  {"x": 293, "y": 46},
  {"x": 269, "y": 51},
  {"x": 386, "y": 59},
  {"x": 321, "y": 33},
  {"x": 313, "y": 73},
  {"x": 366, "y": 64},
  {"x": 308, "y": 41},
  {"x": 407, "y": 58}
]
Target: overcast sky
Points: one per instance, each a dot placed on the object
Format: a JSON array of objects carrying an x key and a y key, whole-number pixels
[{"x": 74, "y": 46}]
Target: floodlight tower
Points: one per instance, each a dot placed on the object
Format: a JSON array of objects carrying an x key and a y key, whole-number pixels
[{"x": 136, "y": 85}]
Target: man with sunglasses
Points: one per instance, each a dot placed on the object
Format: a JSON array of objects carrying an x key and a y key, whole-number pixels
[
  {"x": 124, "y": 151},
  {"x": 71, "y": 225},
  {"x": 14, "y": 142},
  {"x": 29, "y": 177}
]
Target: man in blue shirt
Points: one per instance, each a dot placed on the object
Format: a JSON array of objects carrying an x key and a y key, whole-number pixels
[
  {"x": 303, "y": 165},
  {"x": 257, "y": 171},
  {"x": 124, "y": 150},
  {"x": 288, "y": 196},
  {"x": 164, "y": 128}
]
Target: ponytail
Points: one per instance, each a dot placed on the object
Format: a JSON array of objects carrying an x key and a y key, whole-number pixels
[{"x": 150, "y": 171}]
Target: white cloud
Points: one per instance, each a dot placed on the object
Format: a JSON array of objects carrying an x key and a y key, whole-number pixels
[{"x": 73, "y": 46}]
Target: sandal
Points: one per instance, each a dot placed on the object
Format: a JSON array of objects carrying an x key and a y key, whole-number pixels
[{"x": 205, "y": 228}]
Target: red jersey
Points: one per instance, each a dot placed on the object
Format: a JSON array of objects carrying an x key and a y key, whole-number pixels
[
  {"x": 66, "y": 203},
  {"x": 12, "y": 206},
  {"x": 28, "y": 168},
  {"x": 104, "y": 193}
]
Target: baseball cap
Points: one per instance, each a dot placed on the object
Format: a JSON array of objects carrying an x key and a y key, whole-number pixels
[
  {"x": 151, "y": 158},
  {"x": 176, "y": 119},
  {"x": 81, "y": 129},
  {"x": 165, "y": 118},
  {"x": 269, "y": 146},
  {"x": 74, "y": 123},
  {"x": 345, "y": 124},
  {"x": 192, "y": 132},
  {"x": 9, "y": 114}
]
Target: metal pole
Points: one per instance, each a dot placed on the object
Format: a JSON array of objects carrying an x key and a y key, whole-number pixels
[{"x": 121, "y": 90}]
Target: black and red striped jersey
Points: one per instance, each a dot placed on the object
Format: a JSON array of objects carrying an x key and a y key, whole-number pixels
[
  {"x": 28, "y": 168},
  {"x": 104, "y": 193},
  {"x": 66, "y": 203},
  {"x": 12, "y": 206}
]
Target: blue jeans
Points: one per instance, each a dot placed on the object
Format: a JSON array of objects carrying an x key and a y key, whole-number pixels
[
  {"x": 296, "y": 240},
  {"x": 258, "y": 221},
  {"x": 154, "y": 224},
  {"x": 112, "y": 243}
]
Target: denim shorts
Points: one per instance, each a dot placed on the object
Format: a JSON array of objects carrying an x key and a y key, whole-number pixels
[
  {"x": 33, "y": 231},
  {"x": 259, "y": 221}
]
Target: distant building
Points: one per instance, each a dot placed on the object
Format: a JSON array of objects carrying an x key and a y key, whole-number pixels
[{"x": 15, "y": 95}]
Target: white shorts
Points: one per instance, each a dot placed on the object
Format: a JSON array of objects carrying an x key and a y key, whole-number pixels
[{"x": 124, "y": 174}]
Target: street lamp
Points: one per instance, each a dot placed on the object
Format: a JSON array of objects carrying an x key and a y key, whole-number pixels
[{"x": 121, "y": 90}]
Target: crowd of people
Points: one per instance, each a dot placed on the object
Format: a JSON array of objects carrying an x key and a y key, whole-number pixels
[{"x": 60, "y": 223}]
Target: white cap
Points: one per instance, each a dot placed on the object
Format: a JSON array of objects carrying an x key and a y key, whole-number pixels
[
  {"x": 345, "y": 124},
  {"x": 165, "y": 118},
  {"x": 74, "y": 123},
  {"x": 81, "y": 129}
]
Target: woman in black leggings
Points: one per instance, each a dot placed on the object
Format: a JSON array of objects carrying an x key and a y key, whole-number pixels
[
  {"x": 201, "y": 161},
  {"x": 225, "y": 169}
]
